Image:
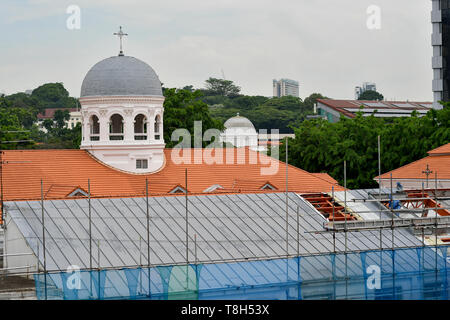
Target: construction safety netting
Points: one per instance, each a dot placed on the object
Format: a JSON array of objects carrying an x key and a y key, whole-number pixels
[{"x": 400, "y": 274}]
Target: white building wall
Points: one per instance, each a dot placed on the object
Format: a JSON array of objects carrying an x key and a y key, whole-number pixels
[{"x": 123, "y": 154}]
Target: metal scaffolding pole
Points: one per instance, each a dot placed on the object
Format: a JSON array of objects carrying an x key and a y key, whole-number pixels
[
  {"x": 345, "y": 202},
  {"x": 298, "y": 231},
  {"x": 346, "y": 235},
  {"x": 393, "y": 245},
  {"x": 187, "y": 226},
  {"x": 98, "y": 263},
  {"x": 148, "y": 233},
  {"x": 90, "y": 224},
  {"x": 90, "y": 236},
  {"x": 423, "y": 230},
  {"x": 287, "y": 197},
  {"x": 436, "y": 222},
  {"x": 379, "y": 187},
  {"x": 43, "y": 239},
  {"x": 392, "y": 213},
  {"x": 334, "y": 233}
]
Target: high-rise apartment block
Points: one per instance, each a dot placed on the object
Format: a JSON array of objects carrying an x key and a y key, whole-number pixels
[
  {"x": 440, "y": 18},
  {"x": 285, "y": 87},
  {"x": 367, "y": 86}
]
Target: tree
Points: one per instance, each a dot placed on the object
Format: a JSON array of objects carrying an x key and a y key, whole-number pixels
[
  {"x": 53, "y": 95},
  {"x": 189, "y": 88},
  {"x": 371, "y": 95},
  {"x": 60, "y": 118},
  {"x": 50, "y": 92},
  {"x": 222, "y": 87},
  {"x": 48, "y": 124},
  {"x": 320, "y": 146},
  {"x": 181, "y": 109},
  {"x": 12, "y": 133},
  {"x": 285, "y": 103},
  {"x": 310, "y": 101}
]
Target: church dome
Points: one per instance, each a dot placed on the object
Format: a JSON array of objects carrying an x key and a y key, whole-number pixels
[
  {"x": 121, "y": 76},
  {"x": 238, "y": 122}
]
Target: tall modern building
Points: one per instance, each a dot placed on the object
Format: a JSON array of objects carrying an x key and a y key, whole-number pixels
[
  {"x": 285, "y": 87},
  {"x": 367, "y": 86},
  {"x": 440, "y": 18}
]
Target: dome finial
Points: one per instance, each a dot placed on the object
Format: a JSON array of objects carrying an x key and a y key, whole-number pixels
[{"x": 120, "y": 34}]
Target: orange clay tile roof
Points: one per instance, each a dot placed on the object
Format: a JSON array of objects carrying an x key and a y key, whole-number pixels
[
  {"x": 63, "y": 171},
  {"x": 442, "y": 150},
  {"x": 326, "y": 177},
  {"x": 438, "y": 161}
]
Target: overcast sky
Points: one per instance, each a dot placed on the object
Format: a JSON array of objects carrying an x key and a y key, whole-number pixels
[{"x": 323, "y": 44}]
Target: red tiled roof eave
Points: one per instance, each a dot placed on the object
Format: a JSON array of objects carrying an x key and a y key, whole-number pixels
[{"x": 73, "y": 168}]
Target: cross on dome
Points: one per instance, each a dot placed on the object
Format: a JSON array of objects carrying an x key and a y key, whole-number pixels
[{"x": 120, "y": 34}]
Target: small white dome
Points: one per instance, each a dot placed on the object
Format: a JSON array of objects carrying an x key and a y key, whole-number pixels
[{"x": 238, "y": 122}]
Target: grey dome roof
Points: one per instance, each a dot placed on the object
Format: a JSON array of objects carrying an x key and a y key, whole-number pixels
[
  {"x": 238, "y": 122},
  {"x": 121, "y": 76}
]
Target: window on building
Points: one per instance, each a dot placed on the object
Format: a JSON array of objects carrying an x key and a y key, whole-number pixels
[
  {"x": 95, "y": 128},
  {"x": 116, "y": 127},
  {"x": 141, "y": 164},
  {"x": 140, "y": 127}
]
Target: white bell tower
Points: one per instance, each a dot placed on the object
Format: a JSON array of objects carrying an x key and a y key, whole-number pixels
[{"x": 122, "y": 114}]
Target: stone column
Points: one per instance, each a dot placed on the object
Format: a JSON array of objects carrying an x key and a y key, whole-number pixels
[
  {"x": 151, "y": 127},
  {"x": 128, "y": 128},
  {"x": 86, "y": 131},
  {"x": 104, "y": 129},
  {"x": 161, "y": 128}
]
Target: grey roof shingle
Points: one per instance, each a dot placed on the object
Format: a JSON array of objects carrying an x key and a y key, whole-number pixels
[{"x": 121, "y": 76}]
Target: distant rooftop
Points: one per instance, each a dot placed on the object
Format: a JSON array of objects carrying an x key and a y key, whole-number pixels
[
  {"x": 384, "y": 109},
  {"x": 50, "y": 113}
]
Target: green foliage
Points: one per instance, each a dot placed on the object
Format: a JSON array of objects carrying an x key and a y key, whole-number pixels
[
  {"x": 371, "y": 95},
  {"x": 50, "y": 92},
  {"x": 310, "y": 101},
  {"x": 265, "y": 113},
  {"x": 19, "y": 111},
  {"x": 11, "y": 129},
  {"x": 320, "y": 146},
  {"x": 181, "y": 109},
  {"x": 221, "y": 87},
  {"x": 60, "y": 117},
  {"x": 57, "y": 138},
  {"x": 53, "y": 95}
]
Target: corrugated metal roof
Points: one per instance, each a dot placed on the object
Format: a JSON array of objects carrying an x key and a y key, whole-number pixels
[{"x": 227, "y": 227}]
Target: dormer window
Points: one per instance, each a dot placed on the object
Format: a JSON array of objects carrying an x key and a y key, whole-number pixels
[
  {"x": 78, "y": 192},
  {"x": 268, "y": 186},
  {"x": 141, "y": 164},
  {"x": 178, "y": 189}
]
